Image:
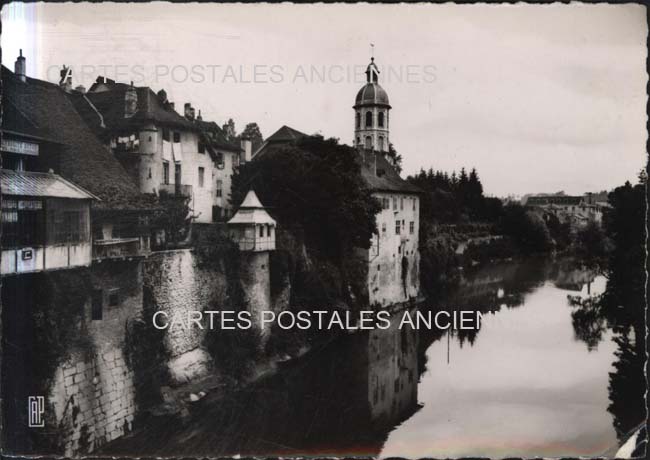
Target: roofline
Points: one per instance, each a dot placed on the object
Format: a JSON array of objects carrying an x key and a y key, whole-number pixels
[
  {"x": 30, "y": 136},
  {"x": 372, "y": 104},
  {"x": 72, "y": 185}
]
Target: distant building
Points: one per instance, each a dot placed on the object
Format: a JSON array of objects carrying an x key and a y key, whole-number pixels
[{"x": 577, "y": 211}]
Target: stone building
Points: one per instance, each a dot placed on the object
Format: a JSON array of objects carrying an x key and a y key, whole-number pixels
[
  {"x": 164, "y": 152},
  {"x": 393, "y": 261},
  {"x": 90, "y": 235}
]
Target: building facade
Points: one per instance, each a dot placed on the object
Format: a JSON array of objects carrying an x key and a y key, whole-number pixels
[
  {"x": 166, "y": 153},
  {"x": 75, "y": 232}
]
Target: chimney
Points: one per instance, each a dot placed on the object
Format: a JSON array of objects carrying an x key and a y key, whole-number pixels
[
  {"x": 171, "y": 105},
  {"x": 19, "y": 67},
  {"x": 130, "y": 101},
  {"x": 66, "y": 79},
  {"x": 189, "y": 111},
  {"x": 81, "y": 88},
  {"x": 162, "y": 95},
  {"x": 199, "y": 117},
  {"x": 247, "y": 147}
]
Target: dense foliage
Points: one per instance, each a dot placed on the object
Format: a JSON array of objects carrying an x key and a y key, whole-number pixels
[
  {"x": 317, "y": 185},
  {"x": 173, "y": 217},
  {"x": 454, "y": 198},
  {"x": 623, "y": 304}
]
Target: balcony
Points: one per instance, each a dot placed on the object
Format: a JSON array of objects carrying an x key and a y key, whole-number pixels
[
  {"x": 176, "y": 189},
  {"x": 120, "y": 248}
]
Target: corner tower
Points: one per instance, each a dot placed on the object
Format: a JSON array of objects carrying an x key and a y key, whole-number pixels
[{"x": 371, "y": 108}]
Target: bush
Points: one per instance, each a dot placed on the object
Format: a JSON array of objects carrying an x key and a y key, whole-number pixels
[{"x": 527, "y": 229}]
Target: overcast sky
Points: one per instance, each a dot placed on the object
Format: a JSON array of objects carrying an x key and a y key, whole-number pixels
[{"x": 537, "y": 98}]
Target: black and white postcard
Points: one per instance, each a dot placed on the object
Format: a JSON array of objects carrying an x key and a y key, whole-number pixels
[{"x": 323, "y": 230}]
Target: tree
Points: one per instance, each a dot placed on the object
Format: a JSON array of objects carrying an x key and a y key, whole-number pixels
[
  {"x": 315, "y": 184},
  {"x": 395, "y": 157},
  {"x": 253, "y": 133},
  {"x": 527, "y": 229}
]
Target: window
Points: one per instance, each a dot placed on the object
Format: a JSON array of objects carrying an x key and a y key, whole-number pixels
[
  {"x": 219, "y": 188},
  {"x": 201, "y": 175},
  {"x": 385, "y": 202},
  {"x": 414, "y": 201},
  {"x": 380, "y": 119},
  {"x": 166, "y": 134},
  {"x": 165, "y": 172},
  {"x": 358, "y": 141},
  {"x": 368, "y": 142},
  {"x": 401, "y": 204},
  {"x": 23, "y": 223},
  {"x": 67, "y": 227},
  {"x": 178, "y": 174},
  {"x": 177, "y": 136},
  {"x": 368, "y": 119},
  {"x": 411, "y": 227},
  {"x": 394, "y": 203},
  {"x": 358, "y": 120},
  {"x": 381, "y": 143},
  {"x": 201, "y": 147},
  {"x": 261, "y": 231},
  {"x": 398, "y": 227},
  {"x": 113, "y": 297},
  {"x": 383, "y": 227},
  {"x": 97, "y": 307}
]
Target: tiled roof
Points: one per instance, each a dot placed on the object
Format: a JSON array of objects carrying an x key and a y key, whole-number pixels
[
  {"x": 380, "y": 175},
  {"x": 111, "y": 105},
  {"x": 26, "y": 183},
  {"x": 84, "y": 160},
  {"x": 216, "y": 136},
  {"x": 554, "y": 199},
  {"x": 282, "y": 136},
  {"x": 251, "y": 211}
]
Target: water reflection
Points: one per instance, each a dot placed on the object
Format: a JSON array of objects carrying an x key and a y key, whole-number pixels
[
  {"x": 342, "y": 399},
  {"x": 537, "y": 380}
]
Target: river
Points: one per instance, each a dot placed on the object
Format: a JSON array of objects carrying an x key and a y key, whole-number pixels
[{"x": 532, "y": 382}]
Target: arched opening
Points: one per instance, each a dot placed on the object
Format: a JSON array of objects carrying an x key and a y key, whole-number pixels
[
  {"x": 380, "y": 120},
  {"x": 368, "y": 142},
  {"x": 358, "y": 122},
  {"x": 368, "y": 119},
  {"x": 358, "y": 141},
  {"x": 380, "y": 141}
]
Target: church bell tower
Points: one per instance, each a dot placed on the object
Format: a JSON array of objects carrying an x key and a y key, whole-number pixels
[{"x": 371, "y": 113}]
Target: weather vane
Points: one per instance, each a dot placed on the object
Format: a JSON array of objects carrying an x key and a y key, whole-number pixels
[{"x": 372, "y": 51}]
